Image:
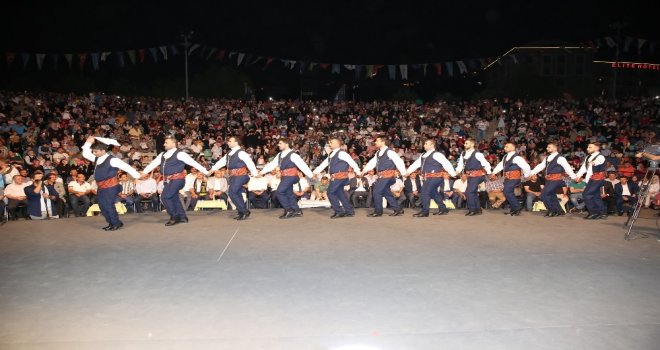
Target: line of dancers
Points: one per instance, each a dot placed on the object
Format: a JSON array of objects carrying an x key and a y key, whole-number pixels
[{"x": 433, "y": 166}]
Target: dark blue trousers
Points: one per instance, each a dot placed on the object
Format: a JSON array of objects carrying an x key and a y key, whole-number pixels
[
  {"x": 431, "y": 190},
  {"x": 549, "y": 196},
  {"x": 591, "y": 196},
  {"x": 170, "y": 198},
  {"x": 509, "y": 188},
  {"x": 236, "y": 190},
  {"x": 472, "y": 192},
  {"x": 285, "y": 193},
  {"x": 382, "y": 189},
  {"x": 106, "y": 198},
  {"x": 337, "y": 196}
]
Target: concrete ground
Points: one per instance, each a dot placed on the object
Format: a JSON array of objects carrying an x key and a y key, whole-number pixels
[{"x": 452, "y": 282}]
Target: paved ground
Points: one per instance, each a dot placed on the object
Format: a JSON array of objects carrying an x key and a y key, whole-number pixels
[{"x": 487, "y": 282}]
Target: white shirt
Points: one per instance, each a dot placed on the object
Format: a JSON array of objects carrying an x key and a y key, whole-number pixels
[
  {"x": 257, "y": 184},
  {"x": 182, "y": 156},
  {"x": 626, "y": 190},
  {"x": 302, "y": 185},
  {"x": 398, "y": 162},
  {"x": 439, "y": 157},
  {"x": 587, "y": 166},
  {"x": 84, "y": 187},
  {"x": 342, "y": 156},
  {"x": 517, "y": 160},
  {"x": 397, "y": 186},
  {"x": 273, "y": 182},
  {"x": 561, "y": 161},
  {"x": 217, "y": 184},
  {"x": 146, "y": 186},
  {"x": 478, "y": 155},
  {"x": 242, "y": 156},
  {"x": 295, "y": 158},
  {"x": 114, "y": 162},
  {"x": 460, "y": 186},
  {"x": 16, "y": 190}
]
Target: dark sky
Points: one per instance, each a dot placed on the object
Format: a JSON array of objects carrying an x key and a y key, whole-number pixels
[{"x": 372, "y": 31}]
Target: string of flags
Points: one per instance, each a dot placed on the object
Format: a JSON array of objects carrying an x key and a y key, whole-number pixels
[{"x": 122, "y": 58}]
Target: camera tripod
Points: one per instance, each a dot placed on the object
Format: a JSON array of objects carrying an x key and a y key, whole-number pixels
[{"x": 643, "y": 193}]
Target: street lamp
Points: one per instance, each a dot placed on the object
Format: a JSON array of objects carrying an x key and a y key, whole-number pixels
[
  {"x": 618, "y": 26},
  {"x": 186, "y": 45}
]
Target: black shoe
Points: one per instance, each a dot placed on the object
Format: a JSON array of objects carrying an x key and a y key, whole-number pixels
[
  {"x": 516, "y": 212},
  {"x": 478, "y": 212},
  {"x": 471, "y": 213},
  {"x": 284, "y": 216},
  {"x": 182, "y": 220},
  {"x": 116, "y": 227},
  {"x": 374, "y": 214},
  {"x": 298, "y": 213},
  {"x": 591, "y": 216},
  {"x": 561, "y": 213},
  {"x": 349, "y": 215},
  {"x": 620, "y": 213},
  {"x": 247, "y": 213},
  {"x": 242, "y": 217},
  {"x": 548, "y": 214},
  {"x": 334, "y": 216},
  {"x": 602, "y": 216},
  {"x": 421, "y": 215},
  {"x": 172, "y": 222},
  {"x": 442, "y": 212},
  {"x": 397, "y": 213},
  {"x": 107, "y": 227}
]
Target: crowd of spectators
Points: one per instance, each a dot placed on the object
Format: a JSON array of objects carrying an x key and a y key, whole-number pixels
[{"x": 43, "y": 133}]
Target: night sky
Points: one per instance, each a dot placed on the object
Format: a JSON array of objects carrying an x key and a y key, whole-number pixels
[{"x": 372, "y": 31}]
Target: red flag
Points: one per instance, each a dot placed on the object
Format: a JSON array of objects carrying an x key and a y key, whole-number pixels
[
  {"x": 325, "y": 65},
  {"x": 220, "y": 55},
  {"x": 438, "y": 68},
  {"x": 141, "y": 55},
  {"x": 82, "y": 57},
  {"x": 10, "y": 57},
  {"x": 268, "y": 62}
]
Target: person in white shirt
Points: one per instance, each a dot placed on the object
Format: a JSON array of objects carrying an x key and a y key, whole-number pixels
[
  {"x": 79, "y": 195},
  {"x": 172, "y": 163},
  {"x": 105, "y": 175},
  {"x": 515, "y": 168},
  {"x": 397, "y": 190},
  {"x": 147, "y": 189},
  {"x": 554, "y": 165},
  {"x": 238, "y": 163},
  {"x": 258, "y": 192},
  {"x": 288, "y": 163},
  {"x": 339, "y": 162},
  {"x": 474, "y": 165},
  {"x": 594, "y": 168},
  {"x": 302, "y": 189},
  {"x": 433, "y": 166},
  {"x": 218, "y": 185},
  {"x": 273, "y": 183},
  {"x": 386, "y": 162},
  {"x": 460, "y": 187},
  {"x": 15, "y": 193}
]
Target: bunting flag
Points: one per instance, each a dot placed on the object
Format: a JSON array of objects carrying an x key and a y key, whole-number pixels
[
  {"x": 82, "y": 57},
  {"x": 312, "y": 65},
  {"x": 173, "y": 50},
  {"x": 640, "y": 43},
  {"x": 482, "y": 63},
  {"x": 349, "y": 66},
  {"x": 403, "y": 68},
  {"x": 424, "y": 68},
  {"x": 391, "y": 69},
  {"x": 438, "y": 69},
  {"x": 40, "y": 60},
  {"x": 11, "y": 56},
  {"x": 69, "y": 59},
  {"x": 514, "y": 58},
  {"x": 26, "y": 58},
  {"x": 193, "y": 48},
  {"x": 610, "y": 42},
  {"x": 249, "y": 59},
  {"x": 220, "y": 55},
  {"x": 370, "y": 71},
  {"x": 104, "y": 56},
  {"x": 450, "y": 68},
  {"x": 120, "y": 58},
  {"x": 209, "y": 53},
  {"x": 163, "y": 51},
  {"x": 231, "y": 54},
  {"x": 461, "y": 67},
  {"x": 154, "y": 53},
  {"x": 268, "y": 62},
  {"x": 377, "y": 68},
  {"x": 95, "y": 60},
  {"x": 131, "y": 56},
  {"x": 55, "y": 58},
  {"x": 325, "y": 65},
  {"x": 241, "y": 56},
  {"x": 358, "y": 72},
  {"x": 626, "y": 45},
  {"x": 335, "y": 69},
  {"x": 303, "y": 66},
  {"x": 141, "y": 55}
]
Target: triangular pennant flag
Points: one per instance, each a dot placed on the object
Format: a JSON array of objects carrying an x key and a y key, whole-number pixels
[
  {"x": 403, "y": 68},
  {"x": 26, "y": 58},
  {"x": 131, "y": 56},
  {"x": 82, "y": 57},
  {"x": 626, "y": 45},
  {"x": 392, "y": 71},
  {"x": 141, "y": 55},
  {"x": 221, "y": 55},
  {"x": 292, "y": 64},
  {"x": 231, "y": 54},
  {"x": 312, "y": 65},
  {"x": 377, "y": 68},
  {"x": 55, "y": 58},
  {"x": 482, "y": 63},
  {"x": 610, "y": 42},
  {"x": 248, "y": 59},
  {"x": 349, "y": 66},
  {"x": 163, "y": 50},
  {"x": 640, "y": 43},
  {"x": 424, "y": 68},
  {"x": 95, "y": 60},
  {"x": 105, "y": 55},
  {"x": 461, "y": 67},
  {"x": 336, "y": 68},
  {"x": 193, "y": 48},
  {"x": 154, "y": 53},
  {"x": 370, "y": 71},
  {"x": 325, "y": 65},
  {"x": 69, "y": 59},
  {"x": 40, "y": 59},
  {"x": 240, "y": 58},
  {"x": 358, "y": 72},
  {"x": 210, "y": 53},
  {"x": 120, "y": 58},
  {"x": 450, "y": 68},
  {"x": 11, "y": 56},
  {"x": 438, "y": 68},
  {"x": 514, "y": 58},
  {"x": 173, "y": 50},
  {"x": 303, "y": 66},
  {"x": 268, "y": 62}
]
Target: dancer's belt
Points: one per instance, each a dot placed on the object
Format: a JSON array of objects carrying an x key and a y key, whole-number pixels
[
  {"x": 107, "y": 183},
  {"x": 289, "y": 172},
  {"x": 475, "y": 173},
  {"x": 554, "y": 177},
  {"x": 340, "y": 175},
  {"x": 600, "y": 175},
  {"x": 512, "y": 175},
  {"x": 238, "y": 172},
  {"x": 432, "y": 175},
  {"x": 177, "y": 176},
  {"x": 386, "y": 174}
]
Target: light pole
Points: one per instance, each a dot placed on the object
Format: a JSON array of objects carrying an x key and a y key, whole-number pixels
[
  {"x": 618, "y": 26},
  {"x": 186, "y": 45}
]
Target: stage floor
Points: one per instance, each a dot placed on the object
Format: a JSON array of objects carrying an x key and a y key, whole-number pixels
[{"x": 451, "y": 282}]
